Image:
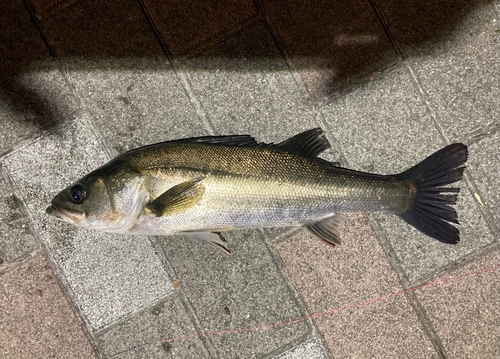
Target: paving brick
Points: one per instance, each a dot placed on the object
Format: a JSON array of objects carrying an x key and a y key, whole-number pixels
[
  {"x": 355, "y": 272},
  {"x": 465, "y": 312},
  {"x": 230, "y": 292},
  {"x": 331, "y": 43},
  {"x": 307, "y": 350},
  {"x": 141, "y": 335},
  {"x": 46, "y": 8},
  {"x": 245, "y": 95},
  {"x": 184, "y": 24},
  {"x": 453, "y": 48},
  {"x": 34, "y": 96},
  {"x": 485, "y": 167},
  {"x": 16, "y": 239},
  {"x": 37, "y": 320},
  {"x": 384, "y": 127},
  {"x": 109, "y": 275},
  {"x": 121, "y": 73}
]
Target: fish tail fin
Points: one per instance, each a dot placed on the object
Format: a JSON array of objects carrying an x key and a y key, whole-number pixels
[{"x": 431, "y": 210}]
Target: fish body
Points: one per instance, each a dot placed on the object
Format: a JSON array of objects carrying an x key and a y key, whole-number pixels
[{"x": 203, "y": 185}]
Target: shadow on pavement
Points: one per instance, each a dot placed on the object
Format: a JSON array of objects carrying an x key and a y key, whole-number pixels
[{"x": 331, "y": 44}]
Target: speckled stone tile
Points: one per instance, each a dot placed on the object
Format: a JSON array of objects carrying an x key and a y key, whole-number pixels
[
  {"x": 485, "y": 169},
  {"x": 465, "y": 312},
  {"x": 36, "y": 318},
  {"x": 331, "y": 44},
  {"x": 142, "y": 334},
  {"x": 122, "y": 75},
  {"x": 228, "y": 293},
  {"x": 109, "y": 275},
  {"x": 346, "y": 278},
  {"x": 185, "y": 24},
  {"x": 34, "y": 96},
  {"x": 16, "y": 239},
  {"x": 307, "y": 350},
  {"x": 241, "y": 94},
  {"x": 385, "y": 127},
  {"x": 453, "y": 49}
]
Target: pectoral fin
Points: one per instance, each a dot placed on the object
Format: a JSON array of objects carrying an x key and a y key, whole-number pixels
[
  {"x": 178, "y": 198},
  {"x": 214, "y": 238},
  {"x": 327, "y": 229}
]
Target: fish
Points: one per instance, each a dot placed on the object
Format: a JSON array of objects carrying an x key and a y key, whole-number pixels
[{"x": 202, "y": 186}]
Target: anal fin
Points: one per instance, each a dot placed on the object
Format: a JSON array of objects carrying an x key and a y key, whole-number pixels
[
  {"x": 212, "y": 237},
  {"x": 327, "y": 229}
]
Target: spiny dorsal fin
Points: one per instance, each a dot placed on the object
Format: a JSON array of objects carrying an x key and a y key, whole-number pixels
[
  {"x": 327, "y": 229},
  {"x": 235, "y": 140},
  {"x": 309, "y": 143},
  {"x": 178, "y": 198}
]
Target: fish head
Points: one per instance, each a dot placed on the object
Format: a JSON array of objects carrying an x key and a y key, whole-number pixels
[{"x": 107, "y": 199}]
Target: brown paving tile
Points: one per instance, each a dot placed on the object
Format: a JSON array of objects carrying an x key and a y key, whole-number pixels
[
  {"x": 331, "y": 43},
  {"x": 36, "y": 319},
  {"x": 47, "y": 8},
  {"x": 184, "y": 24},
  {"x": 91, "y": 32},
  {"x": 465, "y": 312},
  {"x": 358, "y": 270}
]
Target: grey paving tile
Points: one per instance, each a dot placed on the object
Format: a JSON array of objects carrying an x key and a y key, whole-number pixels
[
  {"x": 16, "y": 239},
  {"x": 420, "y": 256},
  {"x": 141, "y": 335},
  {"x": 383, "y": 127},
  {"x": 485, "y": 168},
  {"x": 122, "y": 74},
  {"x": 242, "y": 94},
  {"x": 184, "y": 24},
  {"x": 109, "y": 275},
  {"x": 344, "y": 289},
  {"x": 307, "y": 350},
  {"x": 37, "y": 320},
  {"x": 34, "y": 96},
  {"x": 465, "y": 312},
  {"x": 331, "y": 43},
  {"x": 455, "y": 54},
  {"x": 231, "y": 292}
]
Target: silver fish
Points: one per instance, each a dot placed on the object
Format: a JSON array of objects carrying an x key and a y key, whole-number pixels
[{"x": 202, "y": 186}]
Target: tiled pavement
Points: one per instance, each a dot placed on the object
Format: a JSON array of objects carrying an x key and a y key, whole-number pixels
[{"x": 84, "y": 80}]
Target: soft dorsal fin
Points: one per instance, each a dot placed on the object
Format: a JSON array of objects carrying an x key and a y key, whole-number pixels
[{"x": 309, "y": 143}]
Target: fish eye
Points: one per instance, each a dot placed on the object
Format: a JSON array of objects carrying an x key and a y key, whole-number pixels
[{"x": 77, "y": 193}]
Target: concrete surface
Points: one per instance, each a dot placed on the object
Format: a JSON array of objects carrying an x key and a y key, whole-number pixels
[{"x": 84, "y": 80}]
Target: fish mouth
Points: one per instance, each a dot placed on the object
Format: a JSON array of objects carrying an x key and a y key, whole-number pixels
[{"x": 65, "y": 214}]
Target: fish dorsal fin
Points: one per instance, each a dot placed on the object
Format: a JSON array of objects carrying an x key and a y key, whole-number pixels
[
  {"x": 236, "y": 140},
  {"x": 215, "y": 238},
  {"x": 178, "y": 198},
  {"x": 309, "y": 143},
  {"x": 327, "y": 229}
]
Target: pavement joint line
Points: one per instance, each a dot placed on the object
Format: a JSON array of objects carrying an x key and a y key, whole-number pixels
[
  {"x": 315, "y": 315},
  {"x": 197, "y": 49},
  {"x": 282, "y": 50},
  {"x": 186, "y": 85},
  {"x": 475, "y": 193},
  {"x": 385, "y": 25},
  {"x": 426, "y": 98}
]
